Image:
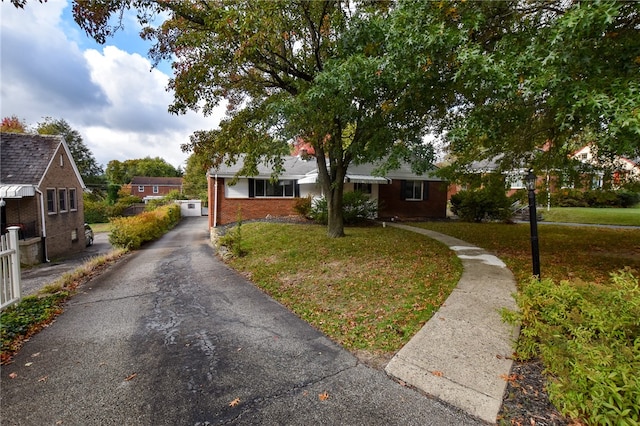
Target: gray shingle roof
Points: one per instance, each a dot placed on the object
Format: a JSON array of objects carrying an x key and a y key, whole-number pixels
[
  {"x": 24, "y": 158},
  {"x": 294, "y": 168}
]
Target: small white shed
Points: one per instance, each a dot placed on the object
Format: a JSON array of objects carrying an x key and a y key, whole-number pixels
[{"x": 190, "y": 207}]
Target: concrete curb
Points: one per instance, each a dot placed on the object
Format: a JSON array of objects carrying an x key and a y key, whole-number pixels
[{"x": 463, "y": 354}]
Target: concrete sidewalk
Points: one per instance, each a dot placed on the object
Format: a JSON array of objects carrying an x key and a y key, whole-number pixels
[{"x": 463, "y": 354}]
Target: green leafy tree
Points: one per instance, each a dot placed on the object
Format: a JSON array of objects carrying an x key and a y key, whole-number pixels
[
  {"x": 122, "y": 172},
  {"x": 88, "y": 167},
  {"x": 194, "y": 183},
  {"x": 287, "y": 69},
  {"x": 525, "y": 82}
]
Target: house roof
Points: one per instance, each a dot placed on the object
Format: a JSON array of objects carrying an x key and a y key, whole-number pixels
[
  {"x": 25, "y": 158},
  {"x": 294, "y": 168},
  {"x": 307, "y": 171},
  {"x": 164, "y": 181}
]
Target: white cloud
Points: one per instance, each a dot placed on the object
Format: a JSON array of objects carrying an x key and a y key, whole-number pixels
[{"x": 112, "y": 97}]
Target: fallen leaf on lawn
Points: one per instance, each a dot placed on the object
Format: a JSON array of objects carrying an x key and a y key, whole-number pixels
[
  {"x": 235, "y": 402},
  {"x": 28, "y": 364},
  {"x": 323, "y": 396},
  {"x": 13, "y": 375},
  {"x": 511, "y": 378},
  {"x": 437, "y": 373},
  {"x": 43, "y": 379},
  {"x": 130, "y": 377}
]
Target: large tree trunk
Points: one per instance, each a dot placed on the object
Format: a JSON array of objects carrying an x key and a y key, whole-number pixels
[
  {"x": 335, "y": 226},
  {"x": 332, "y": 182}
]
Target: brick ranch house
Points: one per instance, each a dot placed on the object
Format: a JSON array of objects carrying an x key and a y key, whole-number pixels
[
  {"x": 401, "y": 193},
  {"x": 154, "y": 187},
  {"x": 41, "y": 192}
]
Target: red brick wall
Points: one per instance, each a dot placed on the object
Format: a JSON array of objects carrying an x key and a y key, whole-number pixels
[
  {"x": 391, "y": 205},
  {"x": 61, "y": 224},
  {"x": 248, "y": 208}
]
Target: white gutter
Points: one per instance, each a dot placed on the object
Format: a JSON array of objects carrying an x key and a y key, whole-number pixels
[
  {"x": 215, "y": 201},
  {"x": 44, "y": 226}
]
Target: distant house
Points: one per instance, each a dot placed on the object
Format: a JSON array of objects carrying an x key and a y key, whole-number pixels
[
  {"x": 149, "y": 188},
  {"x": 602, "y": 173},
  {"x": 41, "y": 192},
  {"x": 401, "y": 193}
]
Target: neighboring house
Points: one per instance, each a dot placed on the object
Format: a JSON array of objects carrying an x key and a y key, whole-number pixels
[
  {"x": 41, "y": 192},
  {"x": 149, "y": 188},
  {"x": 401, "y": 194},
  {"x": 605, "y": 172}
]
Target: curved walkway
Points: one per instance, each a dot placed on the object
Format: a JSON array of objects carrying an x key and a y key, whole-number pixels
[{"x": 462, "y": 355}]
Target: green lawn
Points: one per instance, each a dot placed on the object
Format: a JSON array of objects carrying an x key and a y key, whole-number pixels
[
  {"x": 100, "y": 227},
  {"x": 592, "y": 215}
]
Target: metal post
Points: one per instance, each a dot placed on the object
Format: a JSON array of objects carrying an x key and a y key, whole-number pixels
[{"x": 533, "y": 224}]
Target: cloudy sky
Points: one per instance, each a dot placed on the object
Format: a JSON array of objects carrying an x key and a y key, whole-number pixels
[{"x": 109, "y": 93}]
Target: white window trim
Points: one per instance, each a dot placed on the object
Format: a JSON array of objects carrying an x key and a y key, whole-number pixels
[
  {"x": 55, "y": 201},
  {"x": 66, "y": 200},
  {"x": 73, "y": 208}
]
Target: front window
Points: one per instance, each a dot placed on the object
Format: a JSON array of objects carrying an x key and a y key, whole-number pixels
[
  {"x": 51, "y": 201},
  {"x": 265, "y": 188},
  {"x": 364, "y": 188},
  {"x": 73, "y": 204},
  {"x": 413, "y": 190},
  {"x": 155, "y": 189},
  {"x": 140, "y": 188},
  {"x": 62, "y": 200}
]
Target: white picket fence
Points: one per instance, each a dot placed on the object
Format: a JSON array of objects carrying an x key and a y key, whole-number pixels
[{"x": 9, "y": 268}]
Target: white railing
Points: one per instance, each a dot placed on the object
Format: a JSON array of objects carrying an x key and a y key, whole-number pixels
[{"x": 9, "y": 268}]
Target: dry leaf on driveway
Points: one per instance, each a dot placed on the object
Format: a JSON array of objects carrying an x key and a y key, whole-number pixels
[
  {"x": 323, "y": 396},
  {"x": 235, "y": 402}
]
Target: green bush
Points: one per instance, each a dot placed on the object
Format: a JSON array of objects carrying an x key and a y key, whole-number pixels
[
  {"x": 131, "y": 232},
  {"x": 482, "y": 204},
  {"x": 588, "y": 337},
  {"x": 303, "y": 206},
  {"x": 96, "y": 211},
  {"x": 356, "y": 208},
  {"x": 594, "y": 198}
]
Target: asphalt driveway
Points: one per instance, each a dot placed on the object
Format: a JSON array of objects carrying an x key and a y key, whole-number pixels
[{"x": 171, "y": 336}]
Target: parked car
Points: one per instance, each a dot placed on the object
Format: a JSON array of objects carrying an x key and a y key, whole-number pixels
[{"x": 88, "y": 235}]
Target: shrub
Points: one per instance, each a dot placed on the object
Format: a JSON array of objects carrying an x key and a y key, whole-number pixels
[
  {"x": 482, "y": 204},
  {"x": 303, "y": 206},
  {"x": 356, "y": 207},
  {"x": 131, "y": 232},
  {"x": 589, "y": 339},
  {"x": 595, "y": 198},
  {"x": 96, "y": 211}
]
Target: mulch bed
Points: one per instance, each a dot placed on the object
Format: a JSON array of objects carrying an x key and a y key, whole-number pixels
[{"x": 525, "y": 401}]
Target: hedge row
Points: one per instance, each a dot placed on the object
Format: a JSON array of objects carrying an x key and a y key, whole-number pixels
[
  {"x": 131, "y": 232},
  {"x": 592, "y": 198}
]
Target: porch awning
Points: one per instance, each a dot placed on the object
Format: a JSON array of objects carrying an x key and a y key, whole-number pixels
[
  {"x": 367, "y": 179},
  {"x": 17, "y": 191},
  {"x": 313, "y": 178}
]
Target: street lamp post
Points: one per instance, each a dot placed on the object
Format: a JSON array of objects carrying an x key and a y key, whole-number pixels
[{"x": 533, "y": 223}]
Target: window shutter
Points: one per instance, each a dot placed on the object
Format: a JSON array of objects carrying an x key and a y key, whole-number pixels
[
  {"x": 403, "y": 189},
  {"x": 252, "y": 188},
  {"x": 425, "y": 190},
  {"x": 296, "y": 189}
]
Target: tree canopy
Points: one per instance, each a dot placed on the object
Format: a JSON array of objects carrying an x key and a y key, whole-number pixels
[
  {"x": 122, "y": 172},
  {"x": 286, "y": 69},
  {"x": 88, "y": 167},
  {"x": 13, "y": 125},
  {"x": 525, "y": 82}
]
